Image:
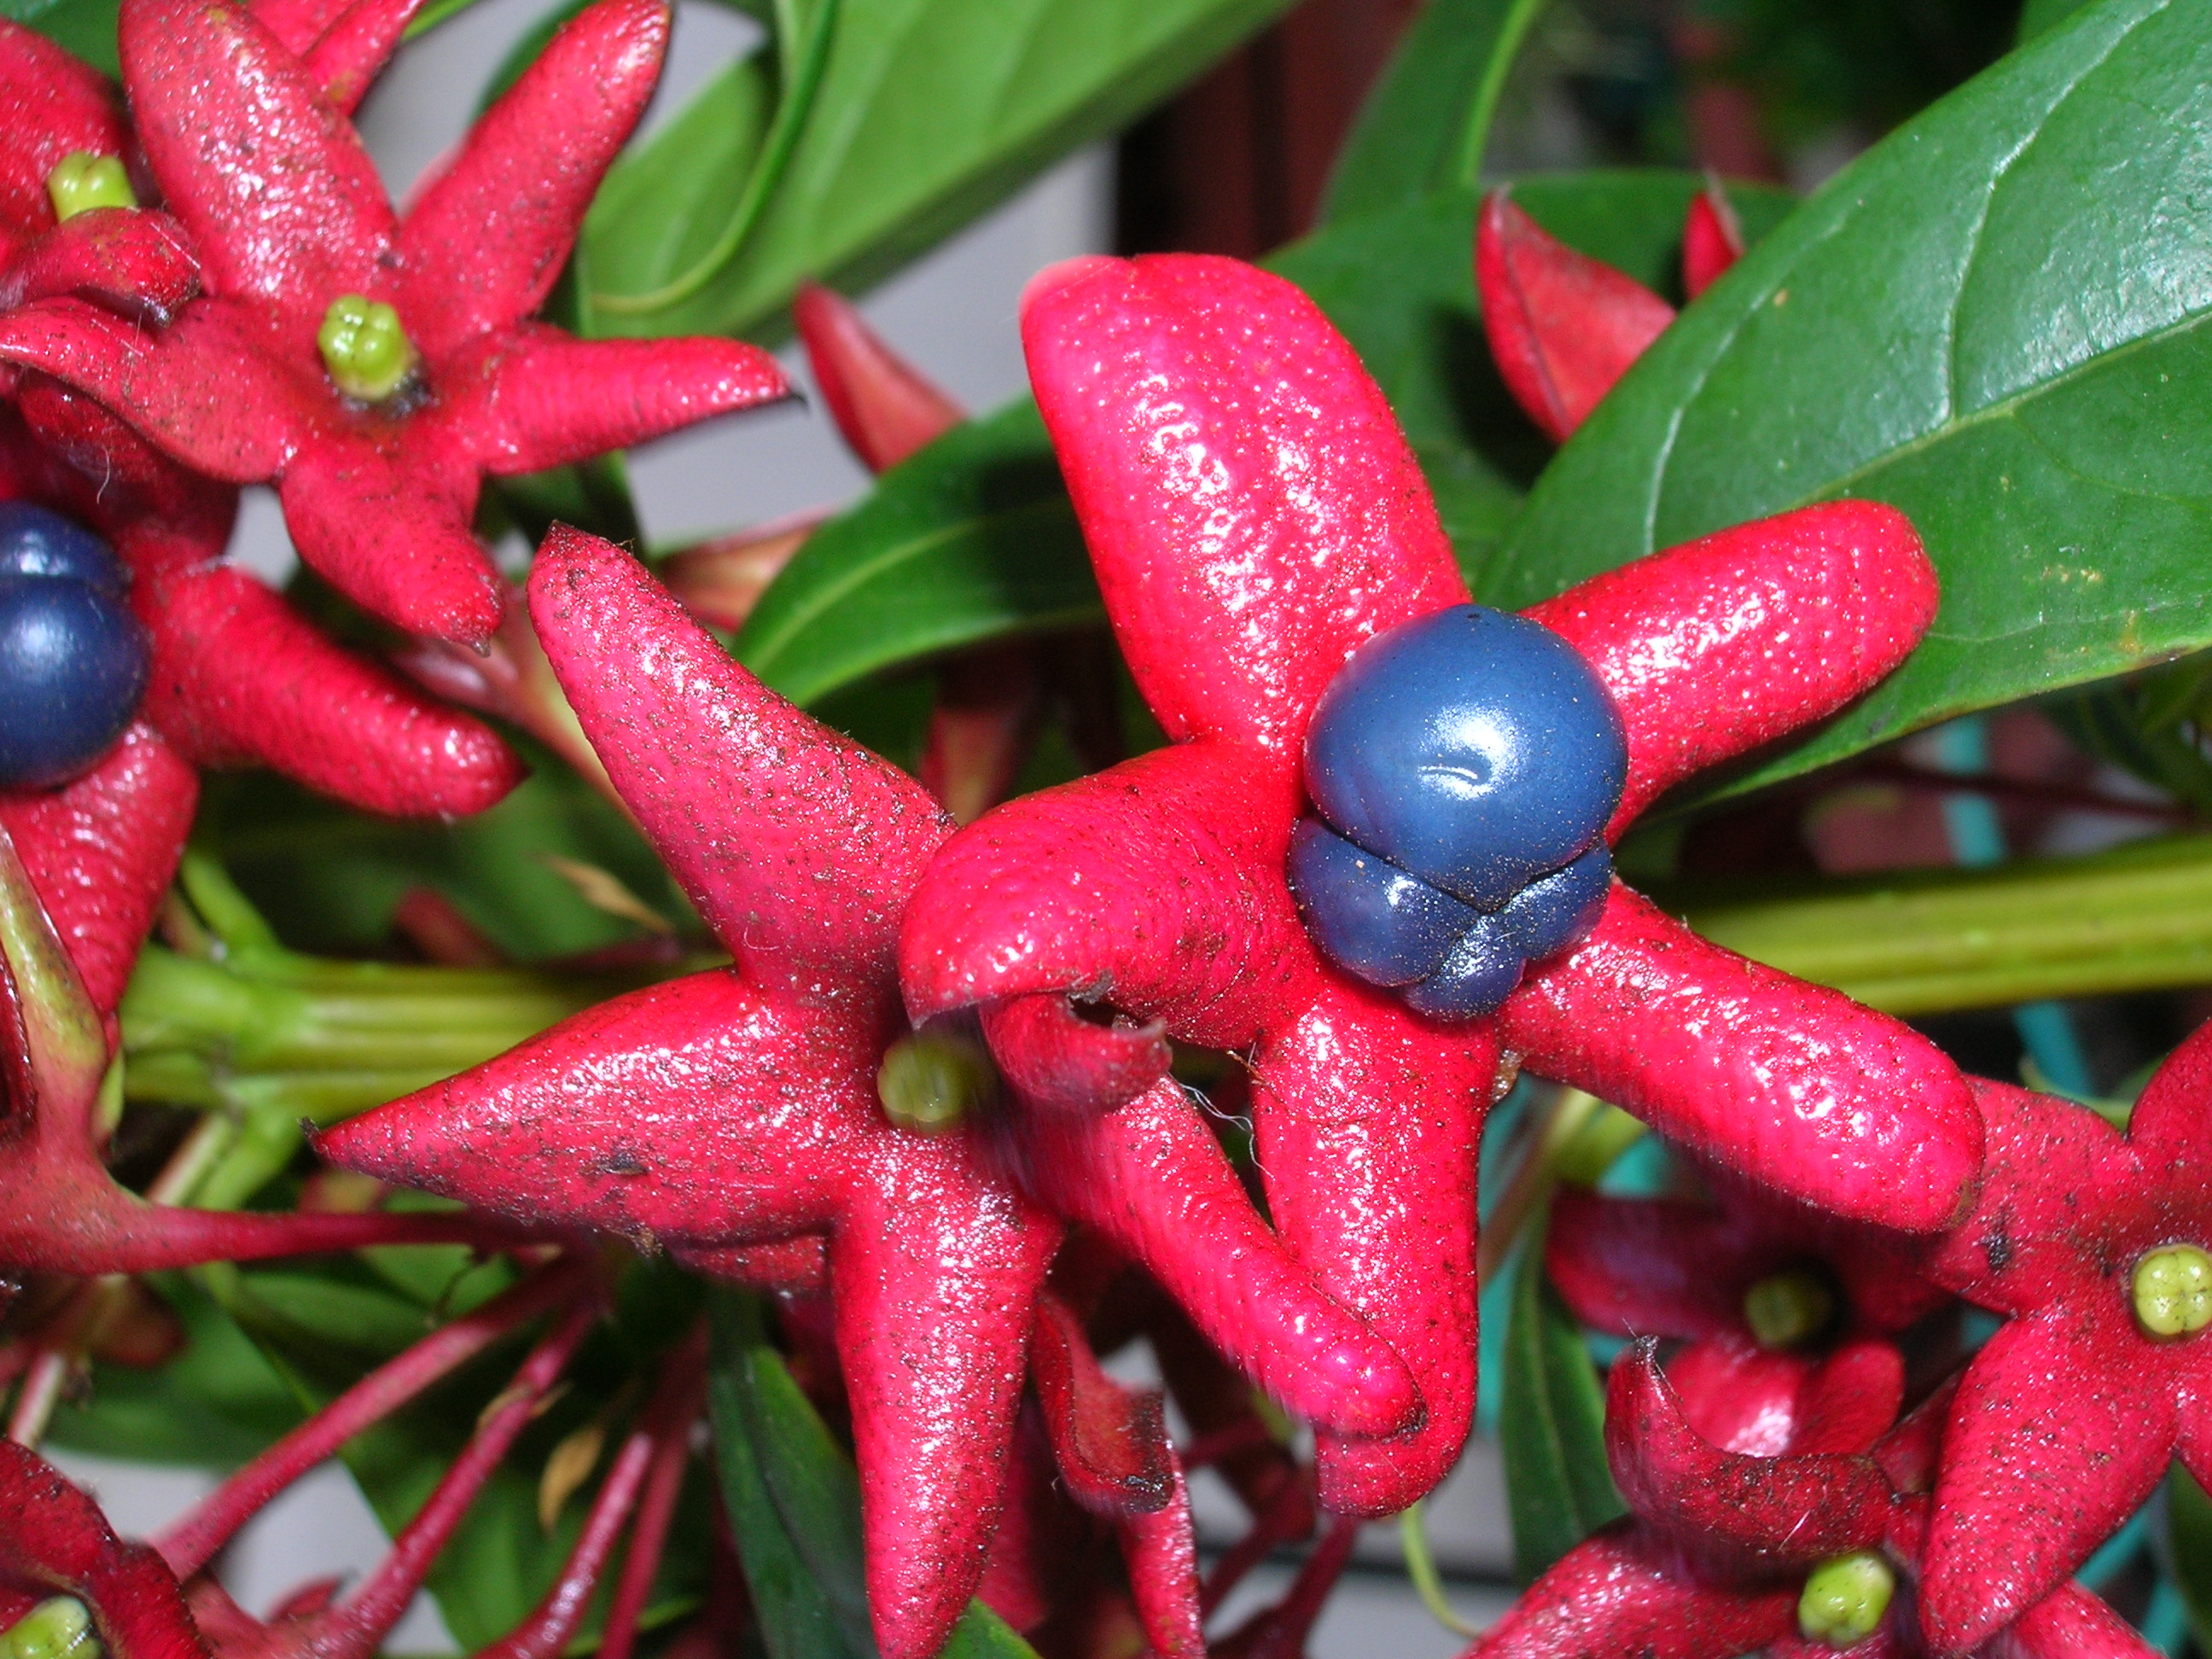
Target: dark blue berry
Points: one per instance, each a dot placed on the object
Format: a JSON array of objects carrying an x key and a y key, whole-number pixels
[
  {"x": 72, "y": 668},
  {"x": 1473, "y": 748},
  {"x": 1479, "y": 974},
  {"x": 1367, "y": 915},
  {"x": 1560, "y": 910},
  {"x": 36, "y": 541}
]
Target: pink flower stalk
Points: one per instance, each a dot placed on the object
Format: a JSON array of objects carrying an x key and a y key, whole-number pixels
[
  {"x": 375, "y": 369},
  {"x": 1563, "y": 327},
  {"x": 1724, "y": 1550},
  {"x": 2094, "y": 1245},
  {"x": 737, "y": 1117},
  {"x": 1255, "y": 515}
]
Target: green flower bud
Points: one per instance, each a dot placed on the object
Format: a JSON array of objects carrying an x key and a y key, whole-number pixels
[
  {"x": 1787, "y": 1308},
  {"x": 59, "y": 1628},
  {"x": 364, "y": 347},
  {"x": 81, "y": 181},
  {"x": 930, "y": 1081},
  {"x": 1845, "y": 1598},
  {"x": 2173, "y": 1290}
]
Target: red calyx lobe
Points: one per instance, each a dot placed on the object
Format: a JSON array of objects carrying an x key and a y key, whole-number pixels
[{"x": 1255, "y": 515}]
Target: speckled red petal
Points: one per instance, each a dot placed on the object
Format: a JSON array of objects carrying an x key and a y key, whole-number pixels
[
  {"x": 933, "y": 1272},
  {"x": 51, "y": 105},
  {"x": 798, "y": 846},
  {"x": 238, "y": 678},
  {"x": 1252, "y": 510},
  {"x": 1718, "y": 646},
  {"x": 271, "y": 183},
  {"x": 1789, "y": 1084},
  {"x": 1620, "y": 1595},
  {"x": 528, "y": 166},
  {"x": 2034, "y": 1478}
]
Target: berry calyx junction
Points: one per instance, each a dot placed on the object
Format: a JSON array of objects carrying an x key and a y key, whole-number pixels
[
  {"x": 2172, "y": 1290},
  {"x": 1846, "y": 1597},
  {"x": 81, "y": 181},
  {"x": 366, "y": 351}
]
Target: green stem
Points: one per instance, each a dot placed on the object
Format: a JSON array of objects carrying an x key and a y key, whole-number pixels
[
  {"x": 1475, "y": 137},
  {"x": 1421, "y": 1568},
  {"x": 2137, "y": 918}
]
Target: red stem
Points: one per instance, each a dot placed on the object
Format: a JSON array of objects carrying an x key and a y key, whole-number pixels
[
  {"x": 1292, "y": 1621},
  {"x": 371, "y": 1612},
  {"x": 1282, "y": 1522},
  {"x": 192, "y": 1541},
  {"x": 679, "y": 1397},
  {"x": 1207, "y": 1450},
  {"x": 561, "y": 1614}
]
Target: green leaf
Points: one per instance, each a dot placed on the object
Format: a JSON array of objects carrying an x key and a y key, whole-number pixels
[
  {"x": 2189, "y": 1546},
  {"x": 973, "y": 538},
  {"x": 1994, "y": 320},
  {"x": 1425, "y": 126},
  {"x": 795, "y": 1504},
  {"x": 86, "y": 27},
  {"x": 2039, "y": 17},
  {"x": 926, "y": 115},
  {"x": 1551, "y": 1426}
]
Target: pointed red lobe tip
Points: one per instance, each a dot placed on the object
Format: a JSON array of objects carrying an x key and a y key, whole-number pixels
[
  {"x": 1712, "y": 238},
  {"x": 1056, "y": 279},
  {"x": 1562, "y": 327},
  {"x": 1055, "y": 1058},
  {"x": 885, "y": 409}
]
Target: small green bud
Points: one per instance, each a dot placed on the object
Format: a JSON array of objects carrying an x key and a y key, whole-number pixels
[
  {"x": 930, "y": 1081},
  {"x": 1786, "y": 1309},
  {"x": 364, "y": 347},
  {"x": 1845, "y": 1598},
  {"x": 81, "y": 181},
  {"x": 2173, "y": 1290},
  {"x": 58, "y": 1628}
]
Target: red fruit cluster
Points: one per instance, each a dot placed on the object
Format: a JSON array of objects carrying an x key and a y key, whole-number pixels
[{"x": 155, "y": 356}]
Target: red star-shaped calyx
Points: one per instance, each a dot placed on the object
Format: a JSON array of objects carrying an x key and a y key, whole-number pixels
[
  {"x": 51, "y": 108},
  {"x": 267, "y": 177},
  {"x": 1748, "y": 1268},
  {"x": 1715, "y": 1554},
  {"x": 2067, "y": 1418},
  {"x": 738, "y": 1108},
  {"x": 1255, "y": 515}
]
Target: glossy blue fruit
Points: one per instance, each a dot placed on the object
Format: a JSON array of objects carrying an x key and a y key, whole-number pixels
[
  {"x": 72, "y": 669},
  {"x": 1367, "y": 915},
  {"x": 1470, "y": 747},
  {"x": 36, "y": 541}
]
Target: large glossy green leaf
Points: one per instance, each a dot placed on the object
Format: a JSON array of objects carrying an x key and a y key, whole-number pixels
[
  {"x": 795, "y": 1504},
  {"x": 1996, "y": 320},
  {"x": 1424, "y": 127},
  {"x": 2188, "y": 1544},
  {"x": 929, "y": 112},
  {"x": 974, "y": 539},
  {"x": 1551, "y": 1426}
]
